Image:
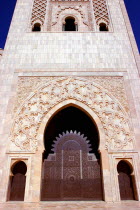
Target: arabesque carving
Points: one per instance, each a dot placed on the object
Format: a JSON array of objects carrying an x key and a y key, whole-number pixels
[
  {"x": 30, "y": 115},
  {"x": 115, "y": 85},
  {"x": 77, "y": 8}
]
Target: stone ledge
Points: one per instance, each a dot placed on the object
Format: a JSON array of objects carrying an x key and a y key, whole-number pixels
[{"x": 68, "y": 205}]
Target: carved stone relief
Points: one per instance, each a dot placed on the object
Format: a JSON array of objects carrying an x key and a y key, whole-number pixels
[
  {"x": 115, "y": 85},
  {"x": 113, "y": 117},
  {"x": 80, "y": 11},
  {"x": 101, "y": 11},
  {"x": 38, "y": 11},
  {"x": 83, "y": 8}
]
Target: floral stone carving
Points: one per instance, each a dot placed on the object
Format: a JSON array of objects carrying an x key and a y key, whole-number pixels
[
  {"x": 115, "y": 85},
  {"x": 114, "y": 119}
]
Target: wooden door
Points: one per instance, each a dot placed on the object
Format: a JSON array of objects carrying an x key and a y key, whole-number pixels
[
  {"x": 126, "y": 186},
  {"x": 17, "y": 190},
  {"x": 71, "y": 175}
]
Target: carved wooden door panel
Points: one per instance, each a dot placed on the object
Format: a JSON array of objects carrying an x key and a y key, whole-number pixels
[
  {"x": 126, "y": 186},
  {"x": 71, "y": 175},
  {"x": 17, "y": 187}
]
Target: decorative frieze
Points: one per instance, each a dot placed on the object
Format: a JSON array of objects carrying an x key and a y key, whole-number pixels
[
  {"x": 113, "y": 117},
  {"x": 115, "y": 85}
]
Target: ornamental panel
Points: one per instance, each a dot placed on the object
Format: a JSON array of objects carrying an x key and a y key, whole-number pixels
[
  {"x": 101, "y": 11},
  {"x": 39, "y": 11},
  {"x": 70, "y": 180},
  {"x": 113, "y": 117}
]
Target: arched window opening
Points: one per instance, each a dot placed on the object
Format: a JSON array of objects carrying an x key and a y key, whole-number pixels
[
  {"x": 126, "y": 181},
  {"x": 17, "y": 182},
  {"x": 36, "y": 27},
  {"x": 71, "y": 162},
  {"x": 70, "y": 24},
  {"x": 103, "y": 27}
]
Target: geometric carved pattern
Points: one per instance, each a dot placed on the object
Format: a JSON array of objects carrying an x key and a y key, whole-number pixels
[
  {"x": 71, "y": 175},
  {"x": 115, "y": 85},
  {"x": 75, "y": 137},
  {"x": 114, "y": 119},
  {"x": 100, "y": 11},
  {"x": 39, "y": 11},
  {"x": 77, "y": 8}
]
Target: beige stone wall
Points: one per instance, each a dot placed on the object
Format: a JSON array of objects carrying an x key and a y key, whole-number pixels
[
  {"x": 66, "y": 50},
  {"x": 107, "y": 60}
]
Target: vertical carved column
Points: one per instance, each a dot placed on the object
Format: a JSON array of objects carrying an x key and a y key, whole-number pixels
[
  {"x": 47, "y": 17},
  {"x": 106, "y": 176},
  {"x": 36, "y": 169},
  {"x": 92, "y": 17},
  {"x": 35, "y": 182}
]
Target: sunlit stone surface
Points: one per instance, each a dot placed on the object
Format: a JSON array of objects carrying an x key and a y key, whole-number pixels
[{"x": 69, "y": 107}]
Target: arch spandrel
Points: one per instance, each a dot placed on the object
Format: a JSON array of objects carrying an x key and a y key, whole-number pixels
[{"x": 114, "y": 119}]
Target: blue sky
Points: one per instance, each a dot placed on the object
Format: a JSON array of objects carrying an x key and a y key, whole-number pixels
[{"x": 7, "y": 8}]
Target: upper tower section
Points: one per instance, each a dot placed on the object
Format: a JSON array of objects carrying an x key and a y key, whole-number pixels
[
  {"x": 70, "y": 15},
  {"x": 69, "y": 35}
]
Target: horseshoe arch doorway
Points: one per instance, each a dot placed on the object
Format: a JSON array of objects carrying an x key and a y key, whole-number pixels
[{"x": 71, "y": 168}]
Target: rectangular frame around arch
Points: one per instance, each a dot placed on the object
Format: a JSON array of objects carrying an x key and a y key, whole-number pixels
[
  {"x": 12, "y": 158},
  {"x": 132, "y": 157}
]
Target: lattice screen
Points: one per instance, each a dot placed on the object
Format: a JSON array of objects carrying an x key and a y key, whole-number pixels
[
  {"x": 39, "y": 11},
  {"x": 100, "y": 11}
]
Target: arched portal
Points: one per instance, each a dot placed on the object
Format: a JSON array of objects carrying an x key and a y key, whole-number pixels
[
  {"x": 36, "y": 27},
  {"x": 70, "y": 24},
  {"x": 17, "y": 182},
  {"x": 71, "y": 161},
  {"x": 103, "y": 27},
  {"x": 125, "y": 181}
]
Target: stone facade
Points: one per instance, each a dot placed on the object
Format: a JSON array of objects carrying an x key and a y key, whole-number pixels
[{"x": 43, "y": 72}]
